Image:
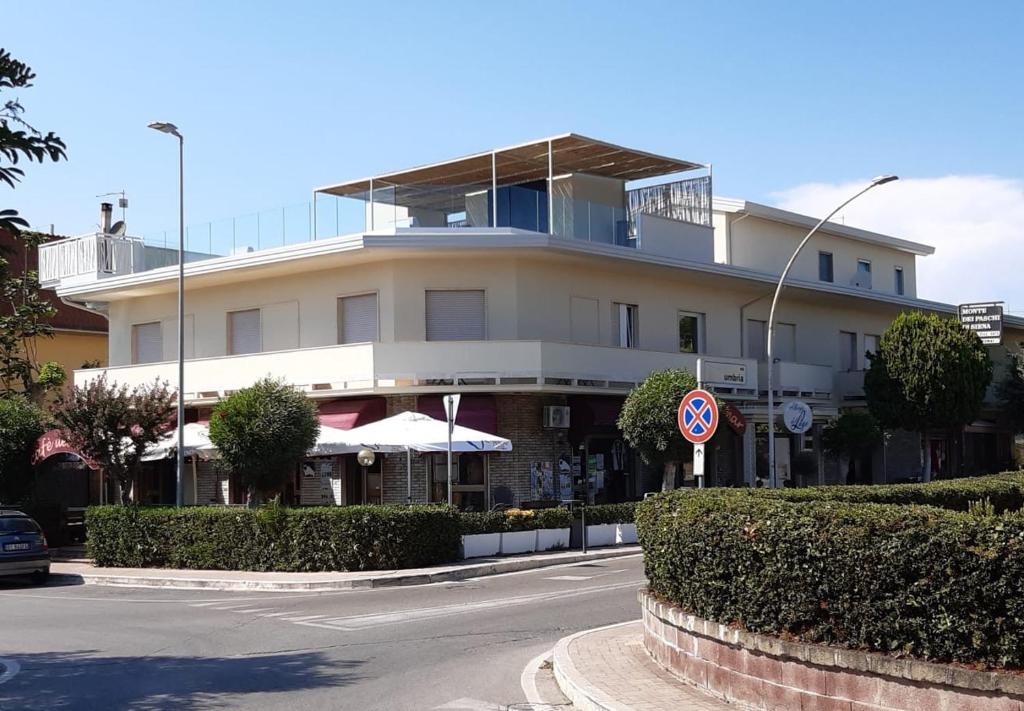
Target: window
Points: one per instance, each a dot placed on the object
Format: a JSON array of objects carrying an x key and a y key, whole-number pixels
[
  {"x": 691, "y": 332},
  {"x": 357, "y": 319},
  {"x": 757, "y": 339},
  {"x": 847, "y": 350},
  {"x": 785, "y": 342},
  {"x": 825, "y": 272},
  {"x": 899, "y": 281},
  {"x": 870, "y": 344},
  {"x": 244, "y": 332},
  {"x": 456, "y": 315},
  {"x": 863, "y": 267},
  {"x": 147, "y": 343},
  {"x": 625, "y": 326},
  {"x": 469, "y": 480}
]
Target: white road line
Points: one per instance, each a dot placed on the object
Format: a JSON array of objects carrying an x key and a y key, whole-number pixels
[
  {"x": 10, "y": 667},
  {"x": 253, "y": 611},
  {"x": 303, "y": 619},
  {"x": 528, "y": 679},
  {"x": 466, "y": 704},
  {"x": 358, "y": 622},
  {"x": 545, "y": 569},
  {"x": 571, "y": 578}
]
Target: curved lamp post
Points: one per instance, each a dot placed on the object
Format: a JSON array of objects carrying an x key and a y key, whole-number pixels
[
  {"x": 772, "y": 479},
  {"x": 171, "y": 129}
]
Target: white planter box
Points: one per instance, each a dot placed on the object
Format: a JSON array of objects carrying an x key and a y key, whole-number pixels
[
  {"x": 602, "y": 534},
  {"x": 518, "y": 542},
  {"x": 625, "y": 533},
  {"x": 479, "y": 545},
  {"x": 551, "y": 538}
]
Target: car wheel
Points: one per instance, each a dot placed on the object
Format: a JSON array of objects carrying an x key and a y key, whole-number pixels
[{"x": 40, "y": 577}]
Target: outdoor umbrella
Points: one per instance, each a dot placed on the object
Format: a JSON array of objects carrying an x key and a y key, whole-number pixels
[
  {"x": 197, "y": 442},
  {"x": 332, "y": 440},
  {"x": 412, "y": 431}
]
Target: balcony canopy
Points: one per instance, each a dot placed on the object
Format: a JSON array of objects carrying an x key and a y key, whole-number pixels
[{"x": 523, "y": 163}]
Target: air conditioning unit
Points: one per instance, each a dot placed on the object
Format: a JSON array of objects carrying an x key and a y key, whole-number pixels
[{"x": 556, "y": 416}]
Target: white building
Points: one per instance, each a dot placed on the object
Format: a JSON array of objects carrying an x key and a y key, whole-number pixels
[{"x": 549, "y": 275}]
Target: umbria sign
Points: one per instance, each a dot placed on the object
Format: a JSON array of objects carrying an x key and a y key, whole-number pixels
[{"x": 986, "y": 320}]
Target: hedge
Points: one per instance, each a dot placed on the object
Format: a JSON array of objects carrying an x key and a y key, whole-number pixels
[
  {"x": 273, "y": 538},
  {"x": 609, "y": 513},
  {"x": 904, "y": 579},
  {"x": 514, "y": 520}
]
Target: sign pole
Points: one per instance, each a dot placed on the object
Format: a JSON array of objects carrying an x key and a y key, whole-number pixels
[
  {"x": 698, "y": 449},
  {"x": 451, "y": 409}
]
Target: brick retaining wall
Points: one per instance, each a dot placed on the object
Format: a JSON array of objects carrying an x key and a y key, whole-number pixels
[{"x": 763, "y": 672}]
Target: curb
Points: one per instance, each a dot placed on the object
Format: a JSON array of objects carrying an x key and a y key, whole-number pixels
[
  {"x": 498, "y": 567},
  {"x": 574, "y": 685}
]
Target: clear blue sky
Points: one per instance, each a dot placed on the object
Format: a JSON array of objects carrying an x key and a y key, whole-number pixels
[{"x": 276, "y": 98}]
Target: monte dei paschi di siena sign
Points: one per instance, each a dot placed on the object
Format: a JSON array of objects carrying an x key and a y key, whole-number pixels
[{"x": 986, "y": 320}]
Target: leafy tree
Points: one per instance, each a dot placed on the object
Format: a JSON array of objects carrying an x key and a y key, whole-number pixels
[
  {"x": 262, "y": 433},
  {"x": 21, "y": 424},
  {"x": 852, "y": 435},
  {"x": 24, "y": 316},
  {"x": 649, "y": 421},
  {"x": 930, "y": 373},
  {"x": 24, "y": 319},
  {"x": 1011, "y": 389},
  {"x": 19, "y": 139},
  {"x": 114, "y": 426}
]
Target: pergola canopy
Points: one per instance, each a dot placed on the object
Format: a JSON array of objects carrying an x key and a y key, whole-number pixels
[{"x": 570, "y": 153}]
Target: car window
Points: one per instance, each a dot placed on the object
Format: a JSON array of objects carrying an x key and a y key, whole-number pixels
[{"x": 18, "y": 525}]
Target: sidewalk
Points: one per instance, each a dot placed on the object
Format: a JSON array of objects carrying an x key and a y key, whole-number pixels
[
  {"x": 608, "y": 669},
  {"x": 85, "y": 572}
]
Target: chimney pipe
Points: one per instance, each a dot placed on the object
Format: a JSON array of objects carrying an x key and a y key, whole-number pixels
[{"x": 106, "y": 211}]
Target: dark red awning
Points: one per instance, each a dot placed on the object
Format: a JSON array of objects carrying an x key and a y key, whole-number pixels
[
  {"x": 352, "y": 412},
  {"x": 476, "y": 411}
]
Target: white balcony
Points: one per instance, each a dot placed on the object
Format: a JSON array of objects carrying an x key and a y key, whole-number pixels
[
  {"x": 812, "y": 382},
  {"x": 87, "y": 258},
  {"x": 425, "y": 367}
]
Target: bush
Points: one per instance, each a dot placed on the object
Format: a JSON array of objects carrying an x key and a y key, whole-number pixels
[
  {"x": 609, "y": 513},
  {"x": 474, "y": 522},
  {"x": 903, "y": 579},
  {"x": 21, "y": 423},
  {"x": 513, "y": 520},
  {"x": 553, "y": 518},
  {"x": 273, "y": 537}
]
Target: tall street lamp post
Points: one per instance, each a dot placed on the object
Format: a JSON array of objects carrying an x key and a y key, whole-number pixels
[
  {"x": 171, "y": 129},
  {"x": 772, "y": 478}
]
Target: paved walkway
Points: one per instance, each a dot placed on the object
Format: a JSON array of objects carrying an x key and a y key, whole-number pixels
[
  {"x": 608, "y": 669},
  {"x": 80, "y": 571}
]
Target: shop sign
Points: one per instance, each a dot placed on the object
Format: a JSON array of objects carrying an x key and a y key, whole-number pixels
[
  {"x": 734, "y": 418},
  {"x": 797, "y": 416},
  {"x": 52, "y": 443},
  {"x": 986, "y": 320},
  {"x": 715, "y": 372}
]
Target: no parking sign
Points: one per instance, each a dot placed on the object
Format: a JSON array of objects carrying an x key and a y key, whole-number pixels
[{"x": 698, "y": 416}]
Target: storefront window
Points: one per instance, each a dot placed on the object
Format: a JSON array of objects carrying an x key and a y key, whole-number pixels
[{"x": 469, "y": 480}]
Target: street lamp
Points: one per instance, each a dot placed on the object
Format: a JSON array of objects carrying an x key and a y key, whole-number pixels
[
  {"x": 772, "y": 480},
  {"x": 171, "y": 129}
]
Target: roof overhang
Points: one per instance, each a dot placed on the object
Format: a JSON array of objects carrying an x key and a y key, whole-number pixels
[
  {"x": 523, "y": 163},
  {"x": 795, "y": 219}
]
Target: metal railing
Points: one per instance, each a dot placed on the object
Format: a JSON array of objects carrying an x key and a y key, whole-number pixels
[
  {"x": 94, "y": 255},
  {"x": 683, "y": 200}
]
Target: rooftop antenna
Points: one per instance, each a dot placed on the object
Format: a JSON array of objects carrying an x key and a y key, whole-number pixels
[{"x": 122, "y": 202}]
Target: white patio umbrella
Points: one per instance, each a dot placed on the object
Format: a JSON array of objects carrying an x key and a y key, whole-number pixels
[
  {"x": 332, "y": 440},
  {"x": 414, "y": 432},
  {"x": 197, "y": 442}
]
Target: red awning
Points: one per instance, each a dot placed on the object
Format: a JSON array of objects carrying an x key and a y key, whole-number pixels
[
  {"x": 476, "y": 411},
  {"x": 352, "y": 412},
  {"x": 53, "y": 442}
]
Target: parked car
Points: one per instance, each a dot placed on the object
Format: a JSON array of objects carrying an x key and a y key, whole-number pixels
[{"x": 23, "y": 547}]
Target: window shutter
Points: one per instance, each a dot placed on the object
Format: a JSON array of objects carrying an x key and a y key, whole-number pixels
[
  {"x": 147, "y": 343},
  {"x": 358, "y": 315},
  {"x": 245, "y": 332},
  {"x": 456, "y": 315}
]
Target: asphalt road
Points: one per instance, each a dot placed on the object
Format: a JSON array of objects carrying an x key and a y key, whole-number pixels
[{"x": 444, "y": 646}]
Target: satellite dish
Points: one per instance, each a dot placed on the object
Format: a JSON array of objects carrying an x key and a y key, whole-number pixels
[{"x": 118, "y": 228}]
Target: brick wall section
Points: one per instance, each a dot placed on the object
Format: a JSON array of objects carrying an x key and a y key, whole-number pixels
[
  {"x": 393, "y": 466},
  {"x": 763, "y": 672},
  {"x": 519, "y": 418}
]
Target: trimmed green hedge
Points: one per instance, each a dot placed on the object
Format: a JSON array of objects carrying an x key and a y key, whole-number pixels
[
  {"x": 513, "y": 520},
  {"x": 905, "y": 579},
  {"x": 273, "y": 538},
  {"x": 610, "y": 513}
]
